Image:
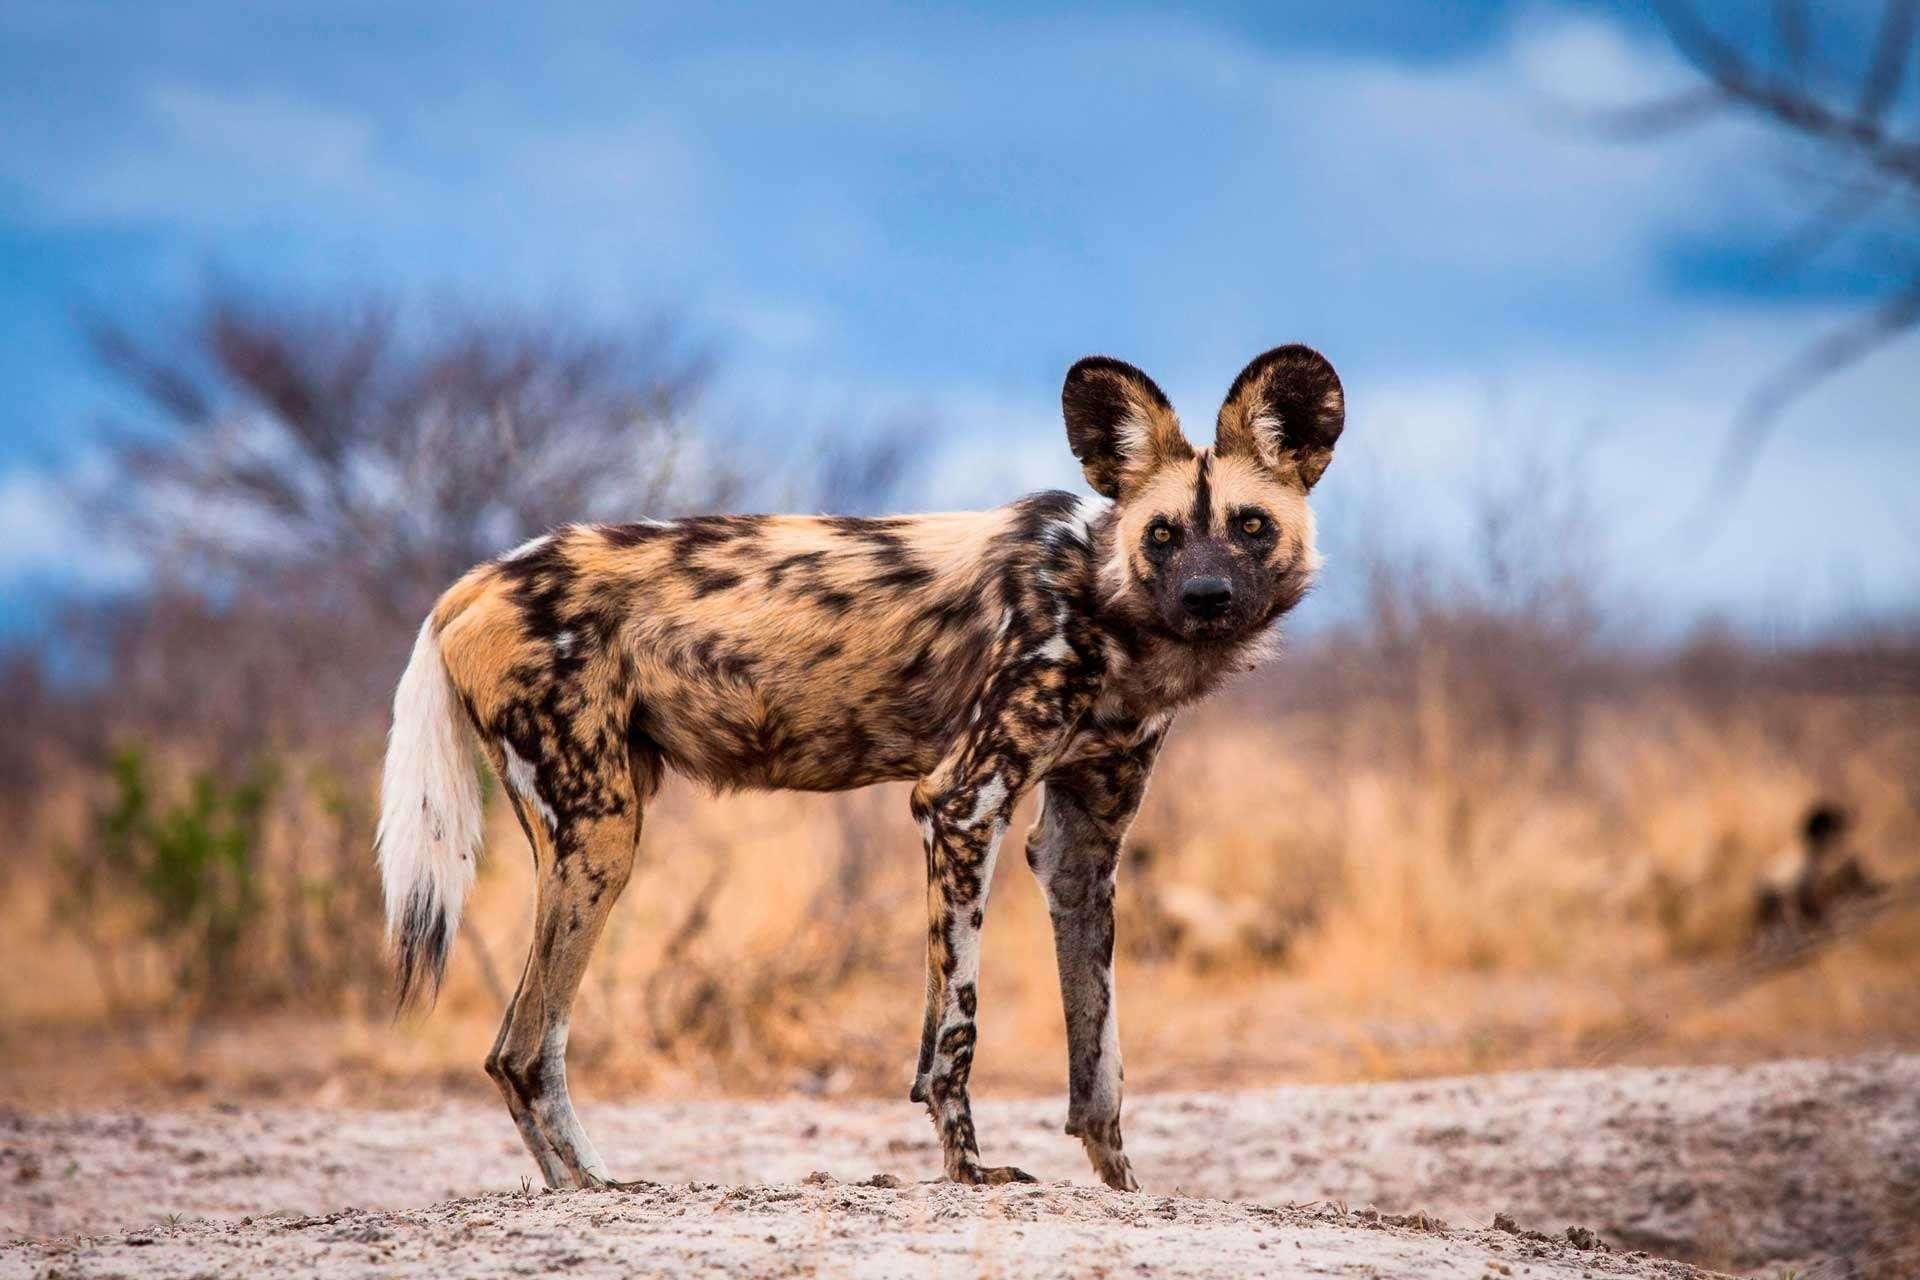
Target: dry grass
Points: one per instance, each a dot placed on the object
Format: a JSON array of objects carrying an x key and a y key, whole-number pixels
[{"x": 1330, "y": 894}]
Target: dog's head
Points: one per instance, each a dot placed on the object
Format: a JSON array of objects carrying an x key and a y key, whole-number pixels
[{"x": 1209, "y": 545}]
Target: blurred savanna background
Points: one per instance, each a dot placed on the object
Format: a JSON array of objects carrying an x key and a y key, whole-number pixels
[{"x": 306, "y": 312}]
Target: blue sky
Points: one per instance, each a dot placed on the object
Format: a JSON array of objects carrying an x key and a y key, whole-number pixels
[{"x": 870, "y": 208}]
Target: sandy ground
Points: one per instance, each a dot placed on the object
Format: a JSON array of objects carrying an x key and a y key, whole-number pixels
[{"x": 1812, "y": 1165}]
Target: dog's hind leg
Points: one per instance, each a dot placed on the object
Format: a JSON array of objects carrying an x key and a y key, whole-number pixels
[
  {"x": 582, "y": 862},
  {"x": 578, "y": 887},
  {"x": 552, "y": 1168}
]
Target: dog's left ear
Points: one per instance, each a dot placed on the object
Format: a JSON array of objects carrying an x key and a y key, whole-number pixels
[
  {"x": 1285, "y": 411},
  {"x": 1119, "y": 424}
]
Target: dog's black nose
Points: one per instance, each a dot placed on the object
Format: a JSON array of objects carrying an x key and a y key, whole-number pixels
[{"x": 1206, "y": 598}]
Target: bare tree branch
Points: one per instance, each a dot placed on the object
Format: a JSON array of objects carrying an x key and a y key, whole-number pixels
[
  {"x": 1846, "y": 206},
  {"x": 1658, "y": 118},
  {"x": 1872, "y": 163},
  {"x": 1761, "y": 413},
  {"x": 338, "y": 446},
  {"x": 1889, "y": 59},
  {"x": 1791, "y": 38},
  {"x": 1794, "y": 103}
]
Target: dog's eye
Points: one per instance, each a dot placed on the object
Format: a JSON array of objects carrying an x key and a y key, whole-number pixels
[
  {"x": 1252, "y": 525},
  {"x": 1161, "y": 534}
]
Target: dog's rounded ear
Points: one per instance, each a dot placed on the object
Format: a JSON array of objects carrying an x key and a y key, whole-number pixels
[
  {"x": 1119, "y": 424},
  {"x": 1285, "y": 410}
]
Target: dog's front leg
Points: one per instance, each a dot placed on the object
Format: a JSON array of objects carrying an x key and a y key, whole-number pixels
[
  {"x": 963, "y": 823},
  {"x": 1074, "y": 850},
  {"x": 963, "y": 807}
]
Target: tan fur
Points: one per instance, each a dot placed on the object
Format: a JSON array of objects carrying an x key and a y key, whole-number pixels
[
  {"x": 808, "y": 665},
  {"x": 981, "y": 654}
]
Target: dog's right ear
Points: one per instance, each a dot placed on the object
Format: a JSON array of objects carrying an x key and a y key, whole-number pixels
[
  {"x": 1119, "y": 424},
  {"x": 1285, "y": 411}
]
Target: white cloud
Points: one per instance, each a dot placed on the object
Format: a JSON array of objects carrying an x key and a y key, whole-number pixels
[
  {"x": 1822, "y": 527},
  {"x": 43, "y": 536},
  {"x": 261, "y": 134},
  {"x": 1588, "y": 62},
  {"x": 1816, "y": 529},
  {"x": 211, "y": 157},
  {"x": 1488, "y": 274}
]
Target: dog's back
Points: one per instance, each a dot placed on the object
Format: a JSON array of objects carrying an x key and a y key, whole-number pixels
[{"x": 811, "y": 653}]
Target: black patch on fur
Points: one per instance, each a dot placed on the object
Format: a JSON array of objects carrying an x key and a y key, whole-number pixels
[
  {"x": 902, "y": 575},
  {"x": 707, "y": 581},
  {"x": 945, "y": 613},
  {"x": 538, "y": 583},
  {"x": 420, "y": 960},
  {"x": 632, "y": 535},
  {"x": 1095, "y": 400},
  {"x": 804, "y": 560},
  {"x": 1038, "y": 510},
  {"x": 831, "y": 599},
  {"x": 919, "y": 665},
  {"x": 1203, "y": 499},
  {"x": 856, "y": 741},
  {"x": 693, "y": 536}
]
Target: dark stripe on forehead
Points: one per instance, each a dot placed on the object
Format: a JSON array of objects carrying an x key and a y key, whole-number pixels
[{"x": 1203, "y": 495}]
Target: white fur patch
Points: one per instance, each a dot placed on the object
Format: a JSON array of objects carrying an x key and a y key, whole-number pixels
[
  {"x": 554, "y": 1108},
  {"x": 1078, "y": 523},
  {"x": 563, "y": 644},
  {"x": 1136, "y": 439},
  {"x": 1261, "y": 648},
  {"x": 1310, "y": 542},
  {"x": 430, "y": 815},
  {"x": 987, "y": 801},
  {"x": 524, "y": 778},
  {"x": 527, "y": 548},
  {"x": 1106, "y": 1087},
  {"x": 1055, "y": 650},
  {"x": 965, "y": 944},
  {"x": 1266, "y": 437}
]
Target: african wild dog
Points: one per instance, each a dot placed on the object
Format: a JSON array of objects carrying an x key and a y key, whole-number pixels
[{"x": 1046, "y": 643}]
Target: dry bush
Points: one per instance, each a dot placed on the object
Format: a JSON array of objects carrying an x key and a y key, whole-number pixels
[
  {"x": 1474, "y": 826},
  {"x": 1443, "y": 905},
  {"x": 743, "y": 1010},
  {"x": 298, "y": 483}
]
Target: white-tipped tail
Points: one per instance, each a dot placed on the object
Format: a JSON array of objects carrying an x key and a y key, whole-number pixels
[{"x": 430, "y": 819}]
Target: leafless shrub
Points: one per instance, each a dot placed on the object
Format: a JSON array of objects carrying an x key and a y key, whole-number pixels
[
  {"x": 25, "y": 693},
  {"x": 298, "y": 483},
  {"x": 1502, "y": 644},
  {"x": 305, "y": 480},
  {"x": 363, "y": 451},
  {"x": 745, "y": 1010}
]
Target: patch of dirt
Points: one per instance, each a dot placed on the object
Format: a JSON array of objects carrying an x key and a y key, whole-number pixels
[
  {"x": 1596, "y": 1173},
  {"x": 821, "y": 1225}
]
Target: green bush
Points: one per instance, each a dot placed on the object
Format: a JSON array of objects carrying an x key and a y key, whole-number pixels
[{"x": 189, "y": 869}]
